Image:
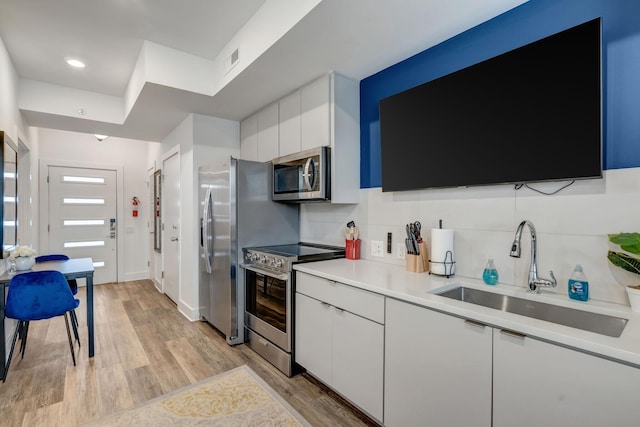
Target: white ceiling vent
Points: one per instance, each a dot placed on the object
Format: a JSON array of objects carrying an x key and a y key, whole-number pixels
[{"x": 231, "y": 61}]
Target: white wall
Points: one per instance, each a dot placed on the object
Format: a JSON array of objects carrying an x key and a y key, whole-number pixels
[
  {"x": 10, "y": 118},
  {"x": 182, "y": 137},
  {"x": 12, "y": 124},
  {"x": 572, "y": 226},
  {"x": 132, "y": 156},
  {"x": 25, "y": 138},
  {"x": 200, "y": 138}
]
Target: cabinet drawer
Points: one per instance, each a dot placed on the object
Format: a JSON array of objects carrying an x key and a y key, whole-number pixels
[{"x": 357, "y": 301}]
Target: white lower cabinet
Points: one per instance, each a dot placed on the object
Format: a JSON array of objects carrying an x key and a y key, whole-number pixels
[
  {"x": 442, "y": 370},
  {"x": 339, "y": 339},
  {"x": 358, "y": 349},
  {"x": 540, "y": 384},
  {"x": 437, "y": 369},
  {"x": 314, "y": 336}
]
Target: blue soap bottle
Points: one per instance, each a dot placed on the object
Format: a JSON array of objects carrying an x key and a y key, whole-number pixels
[
  {"x": 578, "y": 285},
  {"x": 490, "y": 274}
]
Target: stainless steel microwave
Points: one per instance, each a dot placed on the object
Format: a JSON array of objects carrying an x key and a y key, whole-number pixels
[{"x": 303, "y": 176}]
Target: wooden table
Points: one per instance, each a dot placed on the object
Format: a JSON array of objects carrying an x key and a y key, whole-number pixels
[{"x": 75, "y": 268}]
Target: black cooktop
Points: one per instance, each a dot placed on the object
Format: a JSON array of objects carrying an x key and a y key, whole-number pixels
[{"x": 303, "y": 251}]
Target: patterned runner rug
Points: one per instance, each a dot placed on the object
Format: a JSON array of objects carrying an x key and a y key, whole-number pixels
[{"x": 235, "y": 398}]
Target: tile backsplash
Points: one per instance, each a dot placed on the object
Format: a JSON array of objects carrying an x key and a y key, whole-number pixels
[{"x": 572, "y": 226}]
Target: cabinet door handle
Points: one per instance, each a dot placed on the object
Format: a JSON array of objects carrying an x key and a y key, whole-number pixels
[
  {"x": 341, "y": 310},
  {"x": 331, "y": 282},
  {"x": 474, "y": 323},
  {"x": 513, "y": 334},
  {"x": 325, "y": 304}
]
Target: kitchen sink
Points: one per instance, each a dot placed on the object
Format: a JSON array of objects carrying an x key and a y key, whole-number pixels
[{"x": 585, "y": 320}]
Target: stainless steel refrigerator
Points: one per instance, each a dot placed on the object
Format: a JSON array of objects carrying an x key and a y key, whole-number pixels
[{"x": 236, "y": 211}]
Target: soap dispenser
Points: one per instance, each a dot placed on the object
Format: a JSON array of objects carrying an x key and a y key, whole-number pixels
[
  {"x": 578, "y": 285},
  {"x": 490, "y": 274}
]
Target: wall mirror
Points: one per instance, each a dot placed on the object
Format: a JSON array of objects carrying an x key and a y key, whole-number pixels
[
  {"x": 157, "y": 179},
  {"x": 9, "y": 190}
]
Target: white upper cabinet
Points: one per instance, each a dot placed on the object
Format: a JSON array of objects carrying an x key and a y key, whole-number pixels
[
  {"x": 344, "y": 129},
  {"x": 330, "y": 116},
  {"x": 290, "y": 132},
  {"x": 315, "y": 118},
  {"x": 259, "y": 135},
  {"x": 249, "y": 138},
  {"x": 325, "y": 112},
  {"x": 268, "y": 133}
]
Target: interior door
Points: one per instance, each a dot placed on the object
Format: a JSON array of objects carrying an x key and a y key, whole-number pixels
[
  {"x": 170, "y": 202},
  {"x": 82, "y": 217}
]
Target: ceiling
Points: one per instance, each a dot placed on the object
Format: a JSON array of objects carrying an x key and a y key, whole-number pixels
[{"x": 356, "y": 38}]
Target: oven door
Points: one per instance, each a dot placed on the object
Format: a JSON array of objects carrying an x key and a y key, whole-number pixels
[{"x": 268, "y": 305}]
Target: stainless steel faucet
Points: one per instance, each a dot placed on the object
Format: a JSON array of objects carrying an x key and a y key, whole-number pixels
[{"x": 534, "y": 281}]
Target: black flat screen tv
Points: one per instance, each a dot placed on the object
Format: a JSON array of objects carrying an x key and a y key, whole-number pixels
[{"x": 531, "y": 114}]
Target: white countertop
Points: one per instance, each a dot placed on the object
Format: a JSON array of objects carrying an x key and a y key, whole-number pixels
[{"x": 417, "y": 288}]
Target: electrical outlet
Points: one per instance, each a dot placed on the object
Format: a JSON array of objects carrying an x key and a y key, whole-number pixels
[
  {"x": 401, "y": 251},
  {"x": 377, "y": 248}
]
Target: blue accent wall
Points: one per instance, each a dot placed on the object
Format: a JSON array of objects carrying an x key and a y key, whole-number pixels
[{"x": 529, "y": 22}]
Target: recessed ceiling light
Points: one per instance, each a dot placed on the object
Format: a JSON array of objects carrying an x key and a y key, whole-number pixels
[{"x": 75, "y": 63}]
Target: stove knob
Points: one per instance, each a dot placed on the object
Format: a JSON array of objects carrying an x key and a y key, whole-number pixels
[
  {"x": 278, "y": 263},
  {"x": 254, "y": 257},
  {"x": 263, "y": 260},
  {"x": 247, "y": 256}
]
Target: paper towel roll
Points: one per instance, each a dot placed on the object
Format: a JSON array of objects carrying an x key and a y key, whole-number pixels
[{"x": 441, "y": 242}]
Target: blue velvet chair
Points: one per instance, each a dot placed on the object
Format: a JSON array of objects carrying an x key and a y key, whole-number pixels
[
  {"x": 38, "y": 295},
  {"x": 73, "y": 285}
]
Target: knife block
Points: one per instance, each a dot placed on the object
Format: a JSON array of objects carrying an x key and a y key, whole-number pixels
[
  {"x": 414, "y": 263},
  {"x": 418, "y": 263},
  {"x": 424, "y": 256}
]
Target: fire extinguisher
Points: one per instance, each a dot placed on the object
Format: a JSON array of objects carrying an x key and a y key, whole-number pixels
[{"x": 134, "y": 207}]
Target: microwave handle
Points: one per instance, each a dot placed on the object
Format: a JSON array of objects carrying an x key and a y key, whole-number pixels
[{"x": 310, "y": 171}]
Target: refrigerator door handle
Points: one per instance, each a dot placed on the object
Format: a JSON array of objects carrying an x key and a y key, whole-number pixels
[{"x": 206, "y": 237}]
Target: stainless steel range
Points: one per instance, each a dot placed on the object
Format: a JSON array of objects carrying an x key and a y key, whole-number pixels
[{"x": 269, "y": 287}]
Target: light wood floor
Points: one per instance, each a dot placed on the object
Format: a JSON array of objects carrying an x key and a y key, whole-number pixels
[{"x": 144, "y": 349}]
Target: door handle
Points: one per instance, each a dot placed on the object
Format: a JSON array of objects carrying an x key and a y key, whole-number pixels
[
  {"x": 474, "y": 323},
  {"x": 513, "y": 334},
  {"x": 174, "y": 239}
]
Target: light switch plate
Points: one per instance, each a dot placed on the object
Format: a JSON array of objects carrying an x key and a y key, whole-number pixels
[
  {"x": 401, "y": 251},
  {"x": 377, "y": 248}
]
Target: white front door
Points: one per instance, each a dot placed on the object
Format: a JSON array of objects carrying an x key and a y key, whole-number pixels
[
  {"x": 170, "y": 213},
  {"x": 82, "y": 217}
]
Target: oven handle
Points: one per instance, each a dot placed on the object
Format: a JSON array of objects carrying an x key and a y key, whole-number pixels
[{"x": 279, "y": 276}]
